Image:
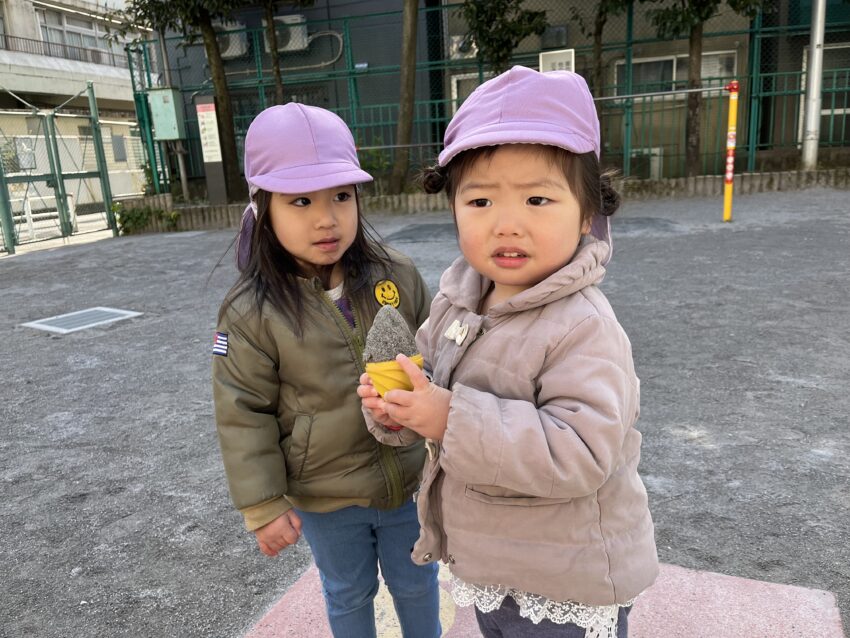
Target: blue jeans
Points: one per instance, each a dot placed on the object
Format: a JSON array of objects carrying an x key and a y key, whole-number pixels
[{"x": 348, "y": 545}]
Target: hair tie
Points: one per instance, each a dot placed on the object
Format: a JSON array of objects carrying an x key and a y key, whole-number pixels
[{"x": 434, "y": 179}]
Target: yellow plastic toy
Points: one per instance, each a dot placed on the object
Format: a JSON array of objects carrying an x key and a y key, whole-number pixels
[{"x": 388, "y": 375}]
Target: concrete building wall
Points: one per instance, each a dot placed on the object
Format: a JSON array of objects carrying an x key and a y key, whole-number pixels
[
  {"x": 20, "y": 19},
  {"x": 49, "y": 80}
]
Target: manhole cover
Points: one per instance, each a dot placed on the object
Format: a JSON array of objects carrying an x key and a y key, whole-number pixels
[{"x": 81, "y": 319}]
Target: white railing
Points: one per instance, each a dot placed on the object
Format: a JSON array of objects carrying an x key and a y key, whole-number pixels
[{"x": 43, "y": 217}]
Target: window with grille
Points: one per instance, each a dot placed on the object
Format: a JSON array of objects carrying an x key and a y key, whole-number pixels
[
  {"x": 61, "y": 31},
  {"x": 654, "y": 75}
]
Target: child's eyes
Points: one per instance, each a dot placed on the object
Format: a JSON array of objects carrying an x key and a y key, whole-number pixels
[
  {"x": 301, "y": 201},
  {"x": 532, "y": 201},
  {"x": 342, "y": 197}
]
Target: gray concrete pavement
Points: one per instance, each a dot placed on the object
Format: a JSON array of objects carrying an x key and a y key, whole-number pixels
[{"x": 115, "y": 518}]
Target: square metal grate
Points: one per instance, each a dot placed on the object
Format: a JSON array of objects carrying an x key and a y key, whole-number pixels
[{"x": 81, "y": 319}]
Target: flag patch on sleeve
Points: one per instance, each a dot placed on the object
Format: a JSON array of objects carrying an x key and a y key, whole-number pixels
[{"x": 220, "y": 344}]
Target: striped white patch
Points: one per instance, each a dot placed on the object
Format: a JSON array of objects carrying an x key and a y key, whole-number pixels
[{"x": 220, "y": 344}]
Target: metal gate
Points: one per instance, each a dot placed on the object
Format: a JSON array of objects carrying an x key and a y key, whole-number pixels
[{"x": 54, "y": 174}]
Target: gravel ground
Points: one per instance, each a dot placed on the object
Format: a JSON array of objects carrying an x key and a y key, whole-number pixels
[{"x": 116, "y": 519}]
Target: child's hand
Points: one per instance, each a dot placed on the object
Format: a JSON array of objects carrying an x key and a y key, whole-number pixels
[
  {"x": 279, "y": 534},
  {"x": 373, "y": 402},
  {"x": 425, "y": 410}
]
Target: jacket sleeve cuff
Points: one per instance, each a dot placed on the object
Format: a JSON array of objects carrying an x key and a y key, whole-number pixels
[
  {"x": 395, "y": 438},
  {"x": 258, "y": 515}
]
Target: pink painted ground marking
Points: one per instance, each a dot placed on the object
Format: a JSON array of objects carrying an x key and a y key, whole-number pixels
[{"x": 682, "y": 604}]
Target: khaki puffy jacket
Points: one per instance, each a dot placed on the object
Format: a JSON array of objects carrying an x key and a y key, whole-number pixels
[
  {"x": 289, "y": 419},
  {"x": 535, "y": 484}
]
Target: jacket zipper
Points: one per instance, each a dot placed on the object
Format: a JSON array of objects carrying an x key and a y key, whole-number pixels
[{"x": 387, "y": 457}]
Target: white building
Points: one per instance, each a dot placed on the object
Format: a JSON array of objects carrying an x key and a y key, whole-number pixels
[{"x": 50, "y": 49}]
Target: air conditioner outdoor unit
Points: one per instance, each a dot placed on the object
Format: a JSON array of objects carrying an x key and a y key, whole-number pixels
[
  {"x": 291, "y": 33},
  {"x": 232, "y": 45},
  {"x": 647, "y": 163}
]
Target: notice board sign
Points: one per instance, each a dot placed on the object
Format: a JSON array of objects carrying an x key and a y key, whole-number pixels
[{"x": 208, "y": 128}]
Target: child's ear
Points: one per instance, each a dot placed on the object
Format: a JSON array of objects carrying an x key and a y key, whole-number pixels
[{"x": 585, "y": 226}]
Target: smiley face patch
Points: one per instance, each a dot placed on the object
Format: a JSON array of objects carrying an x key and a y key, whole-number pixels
[{"x": 386, "y": 292}]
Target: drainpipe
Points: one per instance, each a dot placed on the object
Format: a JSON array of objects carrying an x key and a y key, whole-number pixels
[{"x": 814, "y": 78}]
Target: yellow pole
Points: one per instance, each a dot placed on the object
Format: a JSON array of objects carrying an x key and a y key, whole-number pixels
[{"x": 731, "y": 135}]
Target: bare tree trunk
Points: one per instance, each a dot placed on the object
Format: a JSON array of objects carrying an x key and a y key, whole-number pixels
[
  {"x": 598, "y": 70},
  {"x": 407, "y": 96},
  {"x": 693, "y": 158},
  {"x": 236, "y": 190},
  {"x": 271, "y": 34}
]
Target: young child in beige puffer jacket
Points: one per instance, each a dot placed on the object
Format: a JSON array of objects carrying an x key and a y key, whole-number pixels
[{"x": 531, "y": 493}]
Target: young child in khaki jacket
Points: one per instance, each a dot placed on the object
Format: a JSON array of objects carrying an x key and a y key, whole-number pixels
[
  {"x": 287, "y": 354},
  {"x": 531, "y": 493}
]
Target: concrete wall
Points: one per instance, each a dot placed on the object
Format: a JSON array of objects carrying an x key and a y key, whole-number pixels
[
  {"x": 49, "y": 81},
  {"x": 21, "y": 20},
  {"x": 55, "y": 77},
  {"x": 229, "y": 216}
]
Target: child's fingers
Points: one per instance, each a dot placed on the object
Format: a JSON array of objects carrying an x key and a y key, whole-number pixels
[
  {"x": 375, "y": 405},
  {"x": 289, "y": 535},
  {"x": 294, "y": 520},
  {"x": 366, "y": 391},
  {"x": 414, "y": 372},
  {"x": 398, "y": 413},
  {"x": 398, "y": 398},
  {"x": 365, "y": 380},
  {"x": 266, "y": 549}
]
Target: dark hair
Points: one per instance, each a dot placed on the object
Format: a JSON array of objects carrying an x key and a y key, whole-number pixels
[
  {"x": 592, "y": 188},
  {"x": 271, "y": 272}
]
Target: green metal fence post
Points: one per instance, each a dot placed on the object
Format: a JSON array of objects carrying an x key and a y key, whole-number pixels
[
  {"x": 56, "y": 168},
  {"x": 353, "y": 95},
  {"x": 627, "y": 115},
  {"x": 6, "y": 213},
  {"x": 159, "y": 157},
  {"x": 754, "y": 91},
  {"x": 146, "y": 58},
  {"x": 142, "y": 115},
  {"x": 258, "y": 64},
  {"x": 100, "y": 156}
]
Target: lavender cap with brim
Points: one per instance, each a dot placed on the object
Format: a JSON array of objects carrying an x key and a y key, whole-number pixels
[
  {"x": 295, "y": 148},
  {"x": 524, "y": 106}
]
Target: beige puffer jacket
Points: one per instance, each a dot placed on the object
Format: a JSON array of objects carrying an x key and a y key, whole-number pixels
[{"x": 535, "y": 485}]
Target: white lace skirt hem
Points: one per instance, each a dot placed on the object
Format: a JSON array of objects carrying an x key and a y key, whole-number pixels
[{"x": 597, "y": 621}]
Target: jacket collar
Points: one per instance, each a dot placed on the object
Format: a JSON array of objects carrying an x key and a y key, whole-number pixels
[{"x": 464, "y": 287}]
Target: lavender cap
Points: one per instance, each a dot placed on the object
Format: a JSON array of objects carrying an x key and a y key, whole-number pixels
[
  {"x": 295, "y": 148},
  {"x": 524, "y": 106}
]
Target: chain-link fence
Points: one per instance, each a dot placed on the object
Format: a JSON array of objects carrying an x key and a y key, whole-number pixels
[
  {"x": 350, "y": 64},
  {"x": 59, "y": 171}
]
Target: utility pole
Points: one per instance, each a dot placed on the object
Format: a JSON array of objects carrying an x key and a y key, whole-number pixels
[{"x": 814, "y": 78}]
